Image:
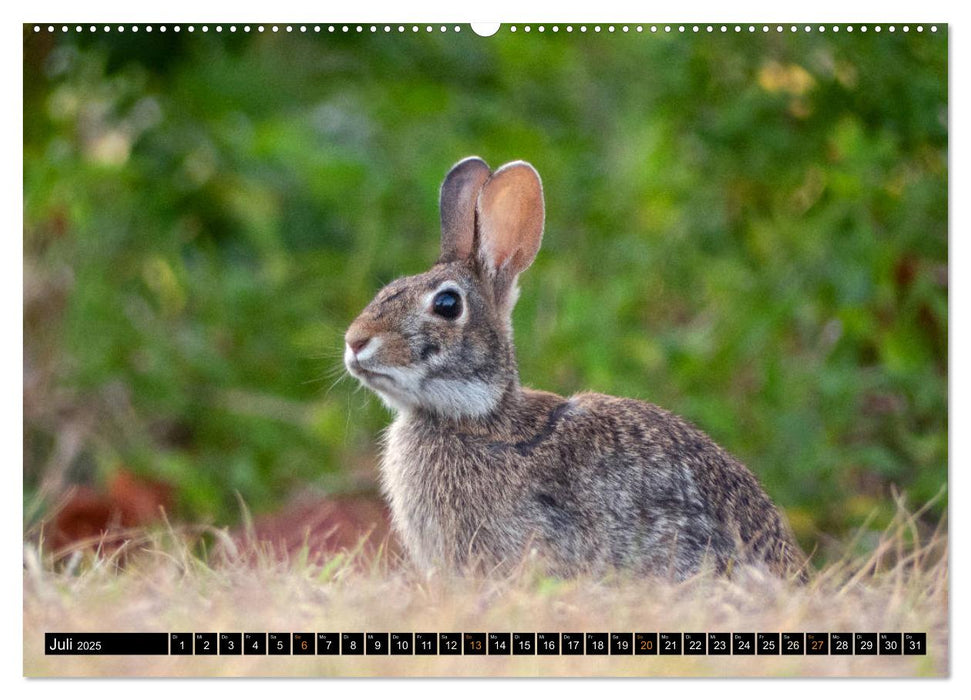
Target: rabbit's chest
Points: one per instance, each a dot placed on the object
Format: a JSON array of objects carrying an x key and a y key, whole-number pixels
[{"x": 444, "y": 498}]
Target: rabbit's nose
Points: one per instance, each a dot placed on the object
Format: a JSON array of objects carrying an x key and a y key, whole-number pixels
[{"x": 358, "y": 343}]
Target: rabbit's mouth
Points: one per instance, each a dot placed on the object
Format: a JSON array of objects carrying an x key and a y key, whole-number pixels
[
  {"x": 366, "y": 375},
  {"x": 380, "y": 382}
]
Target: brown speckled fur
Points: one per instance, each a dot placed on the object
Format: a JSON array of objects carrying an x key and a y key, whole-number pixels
[{"x": 480, "y": 471}]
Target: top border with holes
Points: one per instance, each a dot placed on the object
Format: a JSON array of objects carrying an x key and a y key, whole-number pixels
[{"x": 512, "y": 28}]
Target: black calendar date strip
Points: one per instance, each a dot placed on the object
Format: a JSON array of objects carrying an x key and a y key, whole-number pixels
[{"x": 487, "y": 644}]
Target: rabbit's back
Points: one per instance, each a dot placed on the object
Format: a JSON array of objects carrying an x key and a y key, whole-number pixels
[{"x": 591, "y": 483}]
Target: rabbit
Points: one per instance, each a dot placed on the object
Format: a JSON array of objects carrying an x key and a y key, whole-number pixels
[{"x": 482, "y": 473}]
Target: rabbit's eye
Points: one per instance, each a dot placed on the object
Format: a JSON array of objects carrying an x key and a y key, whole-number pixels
[{"x": 447, "y": 304}]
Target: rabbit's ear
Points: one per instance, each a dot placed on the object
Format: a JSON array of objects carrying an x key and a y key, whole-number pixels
[
  {"x": 510, "y": 223},
  {"x": 457, "y": 203}
]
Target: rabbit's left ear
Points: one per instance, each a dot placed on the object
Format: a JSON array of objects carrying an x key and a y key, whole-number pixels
[
  {"x": 457, "y": 204},
  {"x": 510, "y": 216}
]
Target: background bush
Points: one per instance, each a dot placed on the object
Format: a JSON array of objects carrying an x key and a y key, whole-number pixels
[{"x": 750, "y": 230}]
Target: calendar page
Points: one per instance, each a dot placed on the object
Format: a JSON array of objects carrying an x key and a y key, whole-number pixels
[{"x": 523, "y": 349}]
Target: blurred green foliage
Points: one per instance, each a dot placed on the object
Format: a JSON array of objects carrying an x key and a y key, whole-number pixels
[{"x": 749, "y": 230}]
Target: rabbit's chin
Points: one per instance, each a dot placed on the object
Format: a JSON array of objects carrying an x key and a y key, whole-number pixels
[{"x": 404, "y": 390}]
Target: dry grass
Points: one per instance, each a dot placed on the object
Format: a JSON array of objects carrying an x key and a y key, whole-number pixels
[{"x": 157, "y": 583}]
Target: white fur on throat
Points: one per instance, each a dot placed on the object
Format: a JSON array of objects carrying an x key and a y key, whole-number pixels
[{"x": 460, "y": 397}]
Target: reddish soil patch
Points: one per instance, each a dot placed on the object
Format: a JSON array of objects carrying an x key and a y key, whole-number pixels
[
  {"x": 325, "y": 524},
  {"x": 328, "y": 525},
  {"x": 93, "y": 518}
]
